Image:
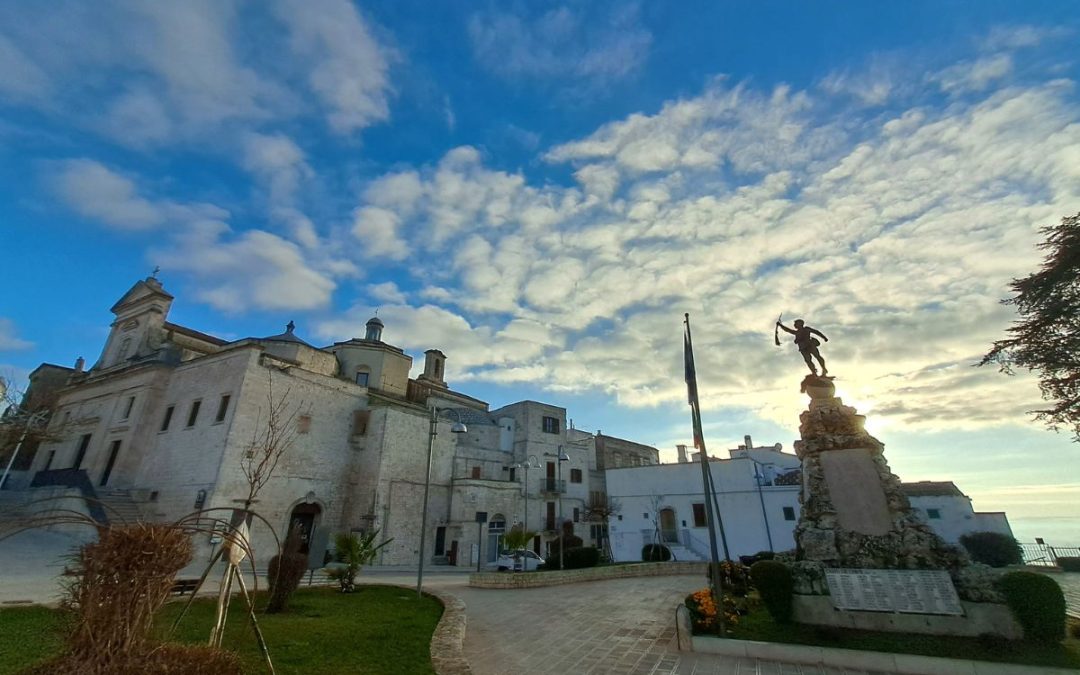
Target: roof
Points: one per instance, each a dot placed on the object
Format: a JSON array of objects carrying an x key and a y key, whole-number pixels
[
  {"x": 931, "y": 488},
  {"x": 287, "y": 336},
  {"x": 190, "y": 332},
  {"x": 467, "y": 416},
  {"x": 144, "y": 288}
]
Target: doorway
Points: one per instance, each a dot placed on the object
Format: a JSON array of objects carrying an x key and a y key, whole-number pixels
[
  {"x": 302, "y": 521},
  {"x": 669, "y": 530},
  {"x": 496, "y": 530}
]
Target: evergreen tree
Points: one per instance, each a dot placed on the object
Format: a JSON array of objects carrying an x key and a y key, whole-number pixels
[{"x": 1046, "y": 339}]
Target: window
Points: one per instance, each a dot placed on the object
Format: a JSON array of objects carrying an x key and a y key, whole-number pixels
[
  {"x": 551, "y": 425},
  {"x": 513, "y": 474},
  {"x": 575, "y": 475},
  {"x": 549, "y": 523},
  {"x": 362, "y": 378},
  {"x": 476, "y": 472},
  {"x": 303, "y": 424},
  {"x": 789, "y": 513},
  {"x": 127, "y": 407},
  {"x": 223, "y": 407},
  {"x": 360, "y": 422},
  {"x": 645, "y": 516},
  {"x": 577, "y": 515},
  {"x": 934, "y": 514},
  {"x": 48, "y": 462},
  {"x": 168, "y": 418},
  {"x": 194, "y": 413},
  {"x": 113, "y": 451},
  {"x": 699, "y": 515},
  {"x": 84, "y": 443}
]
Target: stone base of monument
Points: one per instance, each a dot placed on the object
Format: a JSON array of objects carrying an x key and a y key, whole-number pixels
[{"x": 979, "y": 618}]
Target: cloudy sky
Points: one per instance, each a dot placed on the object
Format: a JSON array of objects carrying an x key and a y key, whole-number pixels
[{"x": 541, "y": 190}]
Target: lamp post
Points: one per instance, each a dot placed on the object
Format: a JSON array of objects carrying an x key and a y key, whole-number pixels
[
  {"x": 458, "y": 428},
  {"x": 563, "y": 457},
  {"x": 531, "y": 463}
]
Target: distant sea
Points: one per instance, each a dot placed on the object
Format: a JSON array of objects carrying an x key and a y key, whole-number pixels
[{"x": 1055, "y": 531}]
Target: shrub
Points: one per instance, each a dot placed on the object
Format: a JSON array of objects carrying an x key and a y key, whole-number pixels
[
  {"x": 734, "y": 576},
  {"x": 703, "y": 611},
  {"x": 353, "y": 551},
  {"x": 1037, "y": 603},
  {"x": 749, "y": 560},
  {"x": 655, "y": 553},
  {"x": 568, "y": 538},
  {"x": 1069, "y": 564},
  {"x": 285, "y": 572},
  {"x": 992, "y": 548},
  {"x": 775, "y": 585},
  {"x": 583, "y": 556}
]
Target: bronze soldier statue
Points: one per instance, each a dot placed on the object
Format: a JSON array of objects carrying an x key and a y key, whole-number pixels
[{"x": 807, "y": 344}]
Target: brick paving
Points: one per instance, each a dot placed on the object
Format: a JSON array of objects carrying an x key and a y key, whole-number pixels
[{"x": 616, "y": 627}]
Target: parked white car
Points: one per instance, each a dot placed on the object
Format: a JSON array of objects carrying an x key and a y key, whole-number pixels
[{"x": 518, "y": 561}]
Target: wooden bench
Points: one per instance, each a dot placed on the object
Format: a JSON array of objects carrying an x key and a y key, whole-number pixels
[{"x": 182, "y": 586}]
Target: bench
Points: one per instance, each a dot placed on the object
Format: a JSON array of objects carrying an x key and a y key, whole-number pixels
[{"x": 182, "y": 586}]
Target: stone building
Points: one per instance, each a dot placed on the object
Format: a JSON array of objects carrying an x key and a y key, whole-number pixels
[{"x": 162, "y": 423}]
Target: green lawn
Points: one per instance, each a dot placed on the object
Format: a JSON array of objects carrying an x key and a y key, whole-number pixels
[
  {"x": 378, "y": 629},
  {"x": 758, "y": 625}
]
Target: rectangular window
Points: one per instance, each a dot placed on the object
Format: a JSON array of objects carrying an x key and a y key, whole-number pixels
[
  {"x": 127, "y": 407},
  {"x": 303, "y": 424},
  {"x": 360, "y": 422},
  {"x": 223, "y": 407},
  {"x": 362, "y": 379},
  {"x": 114, "y": 450},
  {"x": 551, "y": 425},
  {"x": 476, "y": 472},
  {"x": 549, "y": 523},
  {"x": 699, "y": 515},
  {"x": 168, "y": 418},
  {"x": 84, "y": 443},
  {"x": 934, "y": 514},
  {"x": 575, "y": 475},
  {"x": 48, "y": 462},
  {"x": 789, "y": 513},
  {"x": 577, "y": 515},
  {"x": 513, "y": 474},
  {"x": 440, "y": 541},
  {"x": 194, "y": 414}
]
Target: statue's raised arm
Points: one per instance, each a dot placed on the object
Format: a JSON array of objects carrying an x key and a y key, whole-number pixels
[{"x": 808, "y": 344}]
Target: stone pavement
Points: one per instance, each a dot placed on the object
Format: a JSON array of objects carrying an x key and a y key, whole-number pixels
[{"x": 615, "y": 627}]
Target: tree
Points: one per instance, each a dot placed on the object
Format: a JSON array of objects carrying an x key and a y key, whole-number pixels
[
  {"x": 517, "y": 538},
  {"x": 600, "y": 509},
  {"x": 270, "y": 441},
  {"x": 353, "y": 551},
  {"x": 24, "y": 424},
  {"x": 1046, "y": 339}
]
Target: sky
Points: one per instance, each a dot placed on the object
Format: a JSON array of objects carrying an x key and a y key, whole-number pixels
[{"x": 541, "y": 190}]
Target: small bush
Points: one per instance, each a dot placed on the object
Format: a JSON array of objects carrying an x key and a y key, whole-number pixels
[
  {"x": 581, "y": 557},
  {"x": 774, "y": 583},
  {"x": 1069, "y": 564},
  {"x": 285, "y": 572},
  {"x": 749, "y": 560},
  {"x": 1037, "y": 603},
  {"x": 993, "y": 548},
  {"x": 703, "y": 611},
  {"x": 655, "y": 553}
]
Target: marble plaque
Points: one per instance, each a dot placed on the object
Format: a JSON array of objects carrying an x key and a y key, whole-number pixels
[
  {"x": 856, "y": 492},
  {"x": 907, "y": 591}
]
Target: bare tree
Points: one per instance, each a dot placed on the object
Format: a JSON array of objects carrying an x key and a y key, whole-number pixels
[
  {"x": 270, "y": 440},
  {"x": 599, "y": 509},
  {"x": 24, "y": 423}
]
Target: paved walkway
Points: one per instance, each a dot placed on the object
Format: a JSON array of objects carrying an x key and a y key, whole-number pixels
[{"x": 615, "y": 627}]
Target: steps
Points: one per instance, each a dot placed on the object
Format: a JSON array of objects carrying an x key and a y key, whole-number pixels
[
  {"x": 120, "y": 507},
  {"x": 683, "y": 554}
]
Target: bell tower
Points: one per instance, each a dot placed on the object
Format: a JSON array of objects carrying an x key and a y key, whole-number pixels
[{"x": 139, "y": 326}]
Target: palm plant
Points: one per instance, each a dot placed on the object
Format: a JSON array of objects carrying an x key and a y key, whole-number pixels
[
  {"x": 517, "y": 538},
  {"x": 354, "y": 551}
]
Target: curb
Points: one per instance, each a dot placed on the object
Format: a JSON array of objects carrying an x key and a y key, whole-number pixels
[
  {"x": 910, "y": 664},
  {"x": 448, "y": 640}
]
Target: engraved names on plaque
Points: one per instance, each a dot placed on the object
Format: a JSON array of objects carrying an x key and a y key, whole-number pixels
[{"x": 907, "y": 591}]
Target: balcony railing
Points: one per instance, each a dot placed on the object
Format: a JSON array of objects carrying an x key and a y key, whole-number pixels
[{"x": 553, "y": 485}]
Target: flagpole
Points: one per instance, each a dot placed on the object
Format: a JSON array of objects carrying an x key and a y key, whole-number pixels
[{"x": 715, "y": 582}]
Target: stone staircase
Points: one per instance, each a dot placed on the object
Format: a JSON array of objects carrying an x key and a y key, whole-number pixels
[
  {"x": 120, "y": 506},
  {"x": 683, "y": 554}
]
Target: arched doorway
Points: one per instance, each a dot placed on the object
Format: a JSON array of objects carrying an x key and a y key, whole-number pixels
[
  {"x": 303, "y": 519},
  {"x": 669, "y": 530},
  {"x": 496, "y": 530}
]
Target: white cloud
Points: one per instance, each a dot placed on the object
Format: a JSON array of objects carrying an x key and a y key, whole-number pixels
[
  {"x": 347, "y": 68},
  {"x": 974, "y": 75},
  {"x": 278, "y": 161},
  {"x": 9, "y": 337},
  {"x": 95, "y": 191},
  {"x": 561, "y": 42},
  {"x": 378, "y": 232},
  {"x": 20, "y": 77},
  {"x": 387, "y": 292}
]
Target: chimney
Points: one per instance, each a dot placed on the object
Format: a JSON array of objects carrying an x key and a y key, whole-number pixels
[
  {"x": 79, "y": 364},
  {"x": 682, "y": 453},
  {"x": 749, "y": 443},
  {"x": 434, "y": 365}
]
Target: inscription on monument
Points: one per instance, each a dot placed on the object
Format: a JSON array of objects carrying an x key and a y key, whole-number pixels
[
  {"x": 856, "y": 492},
  {"x": 907, "y": 591}
]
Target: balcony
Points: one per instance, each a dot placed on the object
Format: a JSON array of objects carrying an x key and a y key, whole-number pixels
[{"x": 553, "y": 486}]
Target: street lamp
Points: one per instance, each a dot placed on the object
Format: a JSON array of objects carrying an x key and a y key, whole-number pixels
[
  {"x": 458, "y": 428},
  {"x": 531, "y": 463},
  {"x": 563, "y": 457}
]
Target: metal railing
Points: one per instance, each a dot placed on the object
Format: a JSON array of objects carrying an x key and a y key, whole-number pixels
[
  {"x": 1046, "y": 556},
  {"x": 553, "y": 485}
]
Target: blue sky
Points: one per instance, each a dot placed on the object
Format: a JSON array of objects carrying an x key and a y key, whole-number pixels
[{"x": 541, "y": 190}]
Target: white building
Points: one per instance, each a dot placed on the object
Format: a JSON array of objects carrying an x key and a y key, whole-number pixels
[
  {"x": 161, "y": 424},
  {"x": 758, "y": 499}
]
